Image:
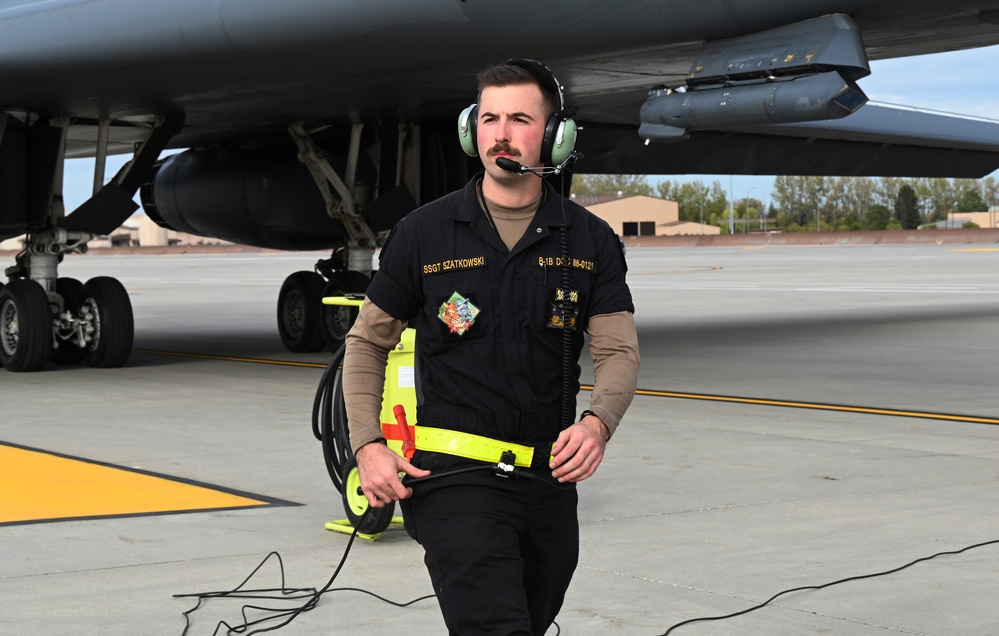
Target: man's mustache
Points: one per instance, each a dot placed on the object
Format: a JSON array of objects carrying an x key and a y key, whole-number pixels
[{"x": 505, "y": 149}]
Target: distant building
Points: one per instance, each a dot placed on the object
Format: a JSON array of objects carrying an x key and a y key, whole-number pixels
[
  {"x": 14, "y": 244},
  {"x": 641, "y": 215},
  {"x": 138, "y": 230}
]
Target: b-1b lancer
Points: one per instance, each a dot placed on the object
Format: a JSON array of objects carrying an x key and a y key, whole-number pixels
[{"x": 311, "y": 125}]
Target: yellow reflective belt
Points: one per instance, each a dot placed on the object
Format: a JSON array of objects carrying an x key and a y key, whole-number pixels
[{"x": 469, "y": 446}]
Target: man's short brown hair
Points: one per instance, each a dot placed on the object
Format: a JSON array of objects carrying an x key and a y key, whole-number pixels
[{"x": 509, "y": 74}]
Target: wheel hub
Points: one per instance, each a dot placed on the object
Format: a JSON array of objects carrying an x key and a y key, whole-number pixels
[{"x": 8, "y": 328}]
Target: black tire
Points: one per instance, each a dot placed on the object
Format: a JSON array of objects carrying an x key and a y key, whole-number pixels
[
  {"x": 337, "y": 320},
  {"x": 298, "y": 312},
  {"x": 25, "y": 326},
  {"x": 105, "y": 304},
  {"x": 68, "y": 352},
  {"x": 356, "y": 504}
]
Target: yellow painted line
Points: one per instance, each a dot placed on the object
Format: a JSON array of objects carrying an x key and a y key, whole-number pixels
[
  {"x": 683, "y": 396},
  {"x": 283, "y": 363},
  {"x": 818, "y": 406},
  {"x": 37, "y": 485},
  {"x": 978, "y": 249}
]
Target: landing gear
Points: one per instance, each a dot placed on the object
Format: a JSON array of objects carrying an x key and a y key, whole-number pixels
[
  {"x": 304, "y": 323},
  {"x": 45, "y": 318},
  {"x": 95, "y": 324}
]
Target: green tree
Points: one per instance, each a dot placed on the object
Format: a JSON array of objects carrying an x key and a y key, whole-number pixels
[
  {"x": 971, "y": 201},
  {"x": 696, "y": 200},
  {"x": 907, "y": 208},
  {"x": 877, "y": 217}
]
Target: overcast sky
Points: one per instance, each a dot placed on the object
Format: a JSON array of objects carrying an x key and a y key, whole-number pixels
[{"x": 963, "y": 82}]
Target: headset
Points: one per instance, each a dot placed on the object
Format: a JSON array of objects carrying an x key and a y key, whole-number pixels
[{"x": 560, "y": 130}]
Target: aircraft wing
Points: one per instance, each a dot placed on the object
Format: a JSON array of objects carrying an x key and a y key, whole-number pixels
[
  {"x": 312, "y": 124},
  {"x": 877, "y": 140}
]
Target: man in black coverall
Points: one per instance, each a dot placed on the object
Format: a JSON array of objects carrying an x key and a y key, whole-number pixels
[{"x": 493, "y": 284}]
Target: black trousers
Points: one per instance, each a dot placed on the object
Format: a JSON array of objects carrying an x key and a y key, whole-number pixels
[{"x": 500, "y": 551}]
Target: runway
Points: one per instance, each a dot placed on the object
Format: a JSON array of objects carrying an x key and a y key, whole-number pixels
[{"x": 806, "y": 414}]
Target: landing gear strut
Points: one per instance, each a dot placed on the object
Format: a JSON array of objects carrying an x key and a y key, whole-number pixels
[
  {"x": 304, "y": 323},
  {"x": 45, "y": 318}
]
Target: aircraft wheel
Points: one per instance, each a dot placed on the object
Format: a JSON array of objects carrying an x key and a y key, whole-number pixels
[
  {"x": 356, "y": 504},
  {"x": 298, "y": 312},
  {"x": 25, "y": 326},
  {"x": 336, "y": 320},
  {"x": 68, "y": 352},
  {"x": 110, "y": 329}
]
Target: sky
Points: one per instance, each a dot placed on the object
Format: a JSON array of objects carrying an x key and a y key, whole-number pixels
[{"x": 962, "y": 82}]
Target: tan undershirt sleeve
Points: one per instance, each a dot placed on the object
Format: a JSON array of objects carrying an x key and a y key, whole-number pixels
[
  {"x": 614, "y": 348},
  {"x": 369, "y": 341}
]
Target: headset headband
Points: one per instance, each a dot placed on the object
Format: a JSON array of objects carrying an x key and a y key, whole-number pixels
[{"x": 544, "y": 76}]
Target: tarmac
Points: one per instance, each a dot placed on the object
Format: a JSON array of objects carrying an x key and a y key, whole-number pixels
[{"x": 806, "y": 414}]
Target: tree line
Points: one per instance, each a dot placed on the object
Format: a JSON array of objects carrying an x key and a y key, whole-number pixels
[{"x": 806, "y": 203}]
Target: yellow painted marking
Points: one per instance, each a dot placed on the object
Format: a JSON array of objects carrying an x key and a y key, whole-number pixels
[
  {"x": 978, "y": 249},
  {"x": 685, "y": 396},
  {"x": 283, "y": 363},
  {"x": 37, "y": 486},
  {"x": 817, "y": 406}
]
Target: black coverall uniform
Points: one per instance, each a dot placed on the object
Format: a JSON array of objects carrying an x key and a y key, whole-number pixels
[{"x": 489, "y": 359}]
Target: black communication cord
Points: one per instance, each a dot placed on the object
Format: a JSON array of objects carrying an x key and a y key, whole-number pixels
[
  {"x": 825, "y": 585},
  {"x": 568, "y": 402},
  {"x": 311, "y": 594}
]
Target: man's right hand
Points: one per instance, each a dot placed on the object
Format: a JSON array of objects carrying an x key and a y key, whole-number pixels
[{"x": 378, "y": 468}]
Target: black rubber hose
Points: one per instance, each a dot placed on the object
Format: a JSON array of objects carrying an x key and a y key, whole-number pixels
[{"x": 329, "y": 420}]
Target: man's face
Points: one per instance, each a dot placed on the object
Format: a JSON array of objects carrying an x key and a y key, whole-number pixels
[{"x": 511, "y": 124}]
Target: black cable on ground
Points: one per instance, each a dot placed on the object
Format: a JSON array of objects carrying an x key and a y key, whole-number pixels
[
  {"x": 274, "y": 614},
  {"x": 825, "y": 585}
]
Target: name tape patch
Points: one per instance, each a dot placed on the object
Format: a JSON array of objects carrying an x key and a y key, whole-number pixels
[{"x": 454, "y": 265}]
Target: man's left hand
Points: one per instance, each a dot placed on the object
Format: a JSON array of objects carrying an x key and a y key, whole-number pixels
[{"x": 579, "y": 450}]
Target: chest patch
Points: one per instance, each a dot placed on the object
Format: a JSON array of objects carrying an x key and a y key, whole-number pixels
[
  {"x": 563, "y": 306},
  {"x": 458, "y": 313}
]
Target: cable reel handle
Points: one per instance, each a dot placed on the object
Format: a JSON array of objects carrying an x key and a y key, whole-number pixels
[{"x": 408, "y": 443}]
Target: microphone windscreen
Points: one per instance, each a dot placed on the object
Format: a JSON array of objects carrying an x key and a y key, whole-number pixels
[{"x": 508, "y": 164}]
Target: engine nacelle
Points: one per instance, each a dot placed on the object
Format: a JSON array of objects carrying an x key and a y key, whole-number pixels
[{"x": 265, "y": 199}]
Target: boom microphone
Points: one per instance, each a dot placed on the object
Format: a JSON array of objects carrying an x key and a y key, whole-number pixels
[
  {"x": 505, "y": 163},
  {"x": 510, "y": 165}
]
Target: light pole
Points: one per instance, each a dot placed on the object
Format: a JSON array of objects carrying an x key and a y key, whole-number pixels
[
  {"x": 731, "y": 206},
  {"x": 750, "y": 191}
]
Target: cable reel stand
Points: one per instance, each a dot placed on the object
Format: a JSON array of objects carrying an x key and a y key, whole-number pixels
[{"x": 329, "y": 424}]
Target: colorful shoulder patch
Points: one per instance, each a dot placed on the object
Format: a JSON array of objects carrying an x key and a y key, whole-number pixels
[{"x": 458, "y": 313}]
